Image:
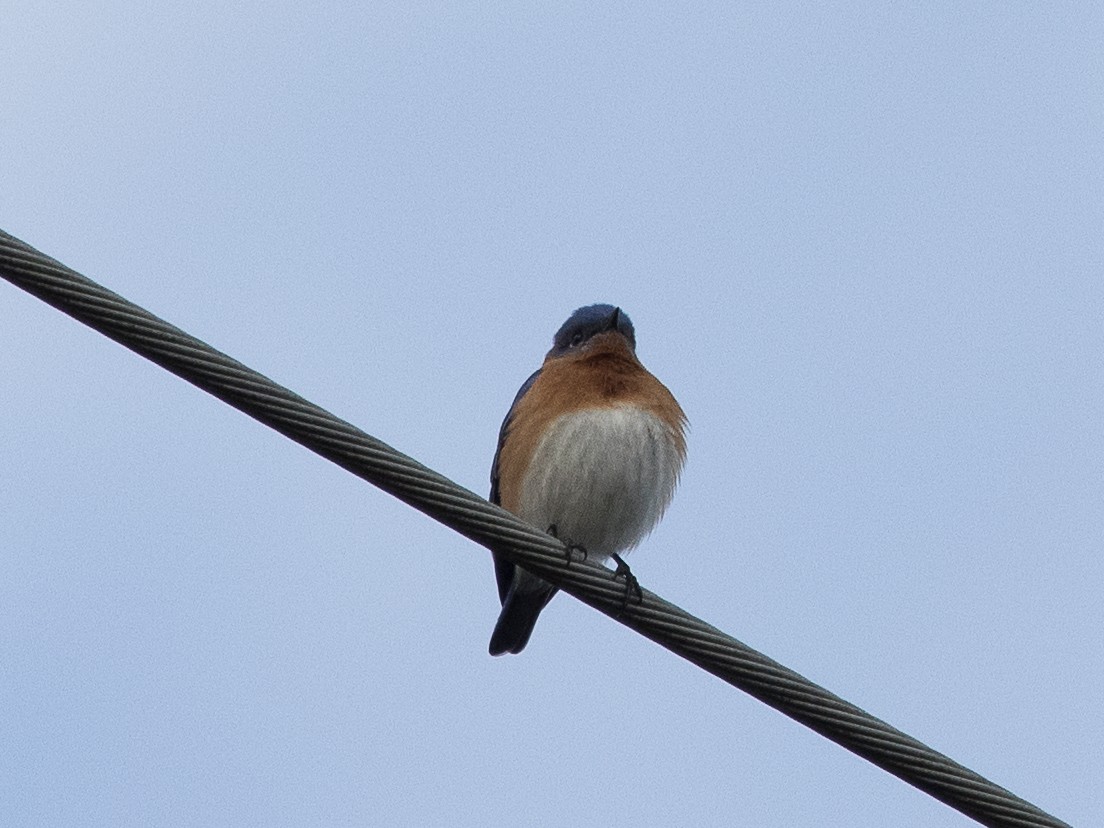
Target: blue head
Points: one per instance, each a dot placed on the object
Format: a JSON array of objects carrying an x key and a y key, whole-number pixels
[{"x": 588, "y": 322}]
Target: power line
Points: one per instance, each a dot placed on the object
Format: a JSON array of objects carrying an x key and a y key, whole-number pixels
[{"x": 487, "y": 524}]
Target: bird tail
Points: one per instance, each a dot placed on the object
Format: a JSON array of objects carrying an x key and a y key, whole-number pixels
[{"x": 520, "y": 611}]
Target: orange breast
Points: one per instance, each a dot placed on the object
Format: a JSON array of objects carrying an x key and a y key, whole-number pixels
[{"x": 605, "y": 374}]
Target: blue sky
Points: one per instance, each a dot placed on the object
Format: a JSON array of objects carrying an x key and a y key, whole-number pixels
[{"x": 862, "y": 246}]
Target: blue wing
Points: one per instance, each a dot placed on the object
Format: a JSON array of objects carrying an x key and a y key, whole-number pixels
[{"x": 504, "y": 570}]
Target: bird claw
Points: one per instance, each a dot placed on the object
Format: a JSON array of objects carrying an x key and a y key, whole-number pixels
[
  {"x": 571, "y": 546},
  {"x": 632, "y": 586}
]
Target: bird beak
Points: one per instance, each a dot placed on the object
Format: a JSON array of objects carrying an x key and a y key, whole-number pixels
[{"x": 614, "y": 320}]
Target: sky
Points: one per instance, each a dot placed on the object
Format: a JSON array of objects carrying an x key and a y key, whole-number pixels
[{"x": 862, "y": 246}]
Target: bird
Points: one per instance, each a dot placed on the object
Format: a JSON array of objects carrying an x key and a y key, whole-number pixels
[{"x": 590, "y": 451}]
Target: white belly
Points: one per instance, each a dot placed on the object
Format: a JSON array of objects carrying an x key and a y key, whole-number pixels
[{"x": 603, "y": 477}]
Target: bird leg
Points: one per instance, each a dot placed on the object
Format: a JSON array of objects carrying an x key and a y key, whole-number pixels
[
  {"x": 632, "y": 586},
  {"x": 572, "y": 547}
]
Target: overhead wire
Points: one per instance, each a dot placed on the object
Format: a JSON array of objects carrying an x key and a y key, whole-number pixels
[{"x": 493, "y": 527}]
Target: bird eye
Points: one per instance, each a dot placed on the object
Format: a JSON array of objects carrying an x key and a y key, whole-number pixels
[{"x": 576, "y": 340}]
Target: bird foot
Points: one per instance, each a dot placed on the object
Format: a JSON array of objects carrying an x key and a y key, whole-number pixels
[
  {"x": 632, "y": 586},
  {"x": 572, "y": 547}
]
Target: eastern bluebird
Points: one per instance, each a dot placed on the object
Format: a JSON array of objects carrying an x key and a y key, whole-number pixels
[{"x": 590, "y": 451}]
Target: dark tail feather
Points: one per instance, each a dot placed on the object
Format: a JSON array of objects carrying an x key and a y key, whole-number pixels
[{"x": 519, "y": 615}]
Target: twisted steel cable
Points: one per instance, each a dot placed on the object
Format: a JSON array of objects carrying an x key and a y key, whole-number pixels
[{"x": 488, "y": 525}]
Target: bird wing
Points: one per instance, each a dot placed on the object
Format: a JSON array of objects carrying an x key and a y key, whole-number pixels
[{"x": 504, "y": 569}]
